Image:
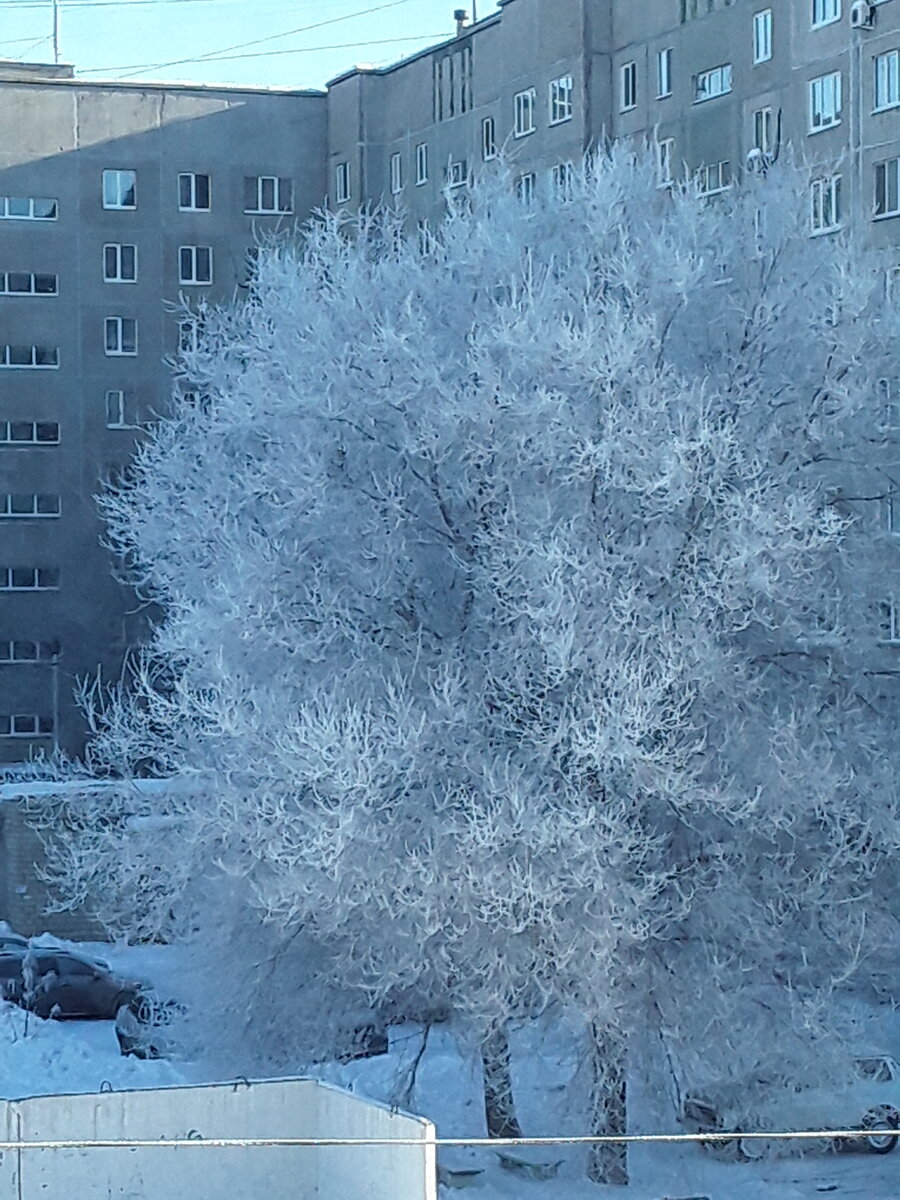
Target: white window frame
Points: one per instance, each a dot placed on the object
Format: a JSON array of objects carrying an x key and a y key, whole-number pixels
[
  {"x": 280, "y": 206},
  {"x": 561, "y": 99},
  {"x": 190, "y": 261},
  {"x": 45, "y": 652},
  {"x": 421, "y": 163},
  {"x": 16, "y": 726},
  {"x": 342, "y": 183},
  {"x": 43, "y": 579},
  {"x": 887, "y": 81},
  {"x": 457, "y": 173},
  {"x": 35, "y": 207},
  {"x": 396, "y": 173},
  {"x": 825, "y": 12},
  {"x": 117, "y": 403},
  {"x": 665, "y": 149},
  {"x": 526, "y": 187},
  {"x": 192, "y": 206},
  {"x": 712, "y": 83},
  {"x": 41, "y": 358},
  {"x": 113, "y": 254},
  {"x": 825, "y": 101},
  {"x": 118, "y": 183},
  {"x": 488, "y": 139},
  {"x": 763, "y": 129},
  {"x": 562, "y": 178},
  {"x": 888, "y": 393},
  {"x": 887, "y": 187},
  {"x": 31, "y": 278},
  {"x": 7, "y": 439},
  {"x": 40, "y": 506},
  {"x": 713, "y": 178},
  {"x": 762, "y": 36},
  {"x": 524, "y": 104},
  {"x": 664, "y": 73},
  {"x": 118, "y": 326},
  {"x": 628, "y": 86},
  {"x": 825, "y": 203}
]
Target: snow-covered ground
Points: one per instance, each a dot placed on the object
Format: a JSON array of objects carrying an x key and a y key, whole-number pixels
[{"x": 39, "y": 1057}]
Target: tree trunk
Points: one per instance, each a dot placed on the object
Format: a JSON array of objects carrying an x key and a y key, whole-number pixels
[
  {"x": 608, "y": 1160},
  {"x": 499, "y": 1103}
]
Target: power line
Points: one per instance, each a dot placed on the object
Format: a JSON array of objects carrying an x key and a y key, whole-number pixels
[
  {"x": 255, "y": 42},
  {"x": 272, "y": 53}
]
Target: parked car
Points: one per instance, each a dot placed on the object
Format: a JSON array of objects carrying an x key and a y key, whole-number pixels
[
  {"x": 55, "y": 982},
  {"x": 870, "y": 1100}
]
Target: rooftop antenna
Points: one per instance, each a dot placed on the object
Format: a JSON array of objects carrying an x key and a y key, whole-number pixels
[{"x": 56, "y": 31}]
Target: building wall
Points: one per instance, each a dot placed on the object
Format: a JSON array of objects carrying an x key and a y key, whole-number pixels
[{"x": 57, "y": 137}]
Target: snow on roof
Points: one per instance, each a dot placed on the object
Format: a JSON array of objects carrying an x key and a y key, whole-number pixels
[{"x": 26, "y": 789}]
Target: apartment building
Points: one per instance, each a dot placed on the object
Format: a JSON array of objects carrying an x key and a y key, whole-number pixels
[
  {"x": 722, "y": 85},
  {"x": 114, "y": 201},
  {"x": 116, "y": 198}
]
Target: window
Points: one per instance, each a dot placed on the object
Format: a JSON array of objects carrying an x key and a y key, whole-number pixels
[
  {"x": 664, "y": 73},
  {"x": 120, "y": 336},
  {"x": 24, "y": 725},
  {"x": 762, "y": 130},
  {"x": 524, "y": 112},
  {"x": 712, "y": 83},
  {"x": 825, "y": 204},
  {"x": 890, "y": 622},
  {"x": 457, "y": 173},
  {"x": 120, "y": 410},
  {"x": 627, "y": 86},
  {"x": 762, "y": 36},
  {"x": 193, "y": 193},
  {"x": 119, "y": 189},
  {"x": 28, "y": 208},
  {"x": 36, "y": 357},
  {"x": 887, "y": 80},
  {"x": 396, "y": 174},
  {"x": 29, "y": 504},
  {"x": 665, "y": 152},
  {"x": 825, "y": 11},
  {"x": 824, "y": 101},
  {"x": 888, "y": 395},
  {"x": 27, "y": 283},
  {"x": 342, "y": 182},
  {"x": 195, "y": 264},
  {"x": 525, "y": 187},
  {"x": 562, "y": 177},
  {"x": 890, "y": 511},
  {"x": 268, "y": 194},
  {"x": 713, "y": 177},
  {"x": 119, "y": 263},
  {"x": 561, "y": 99},
  {"x": 29, "y": 433},
  {"x": 28, "y": 579},
  {"x": 453, "y": 84},
  {"x": 421, "y": 164},
  {"x": 887, "y": 188},
  {"x": 28, "y": 652},
  {"x": 488, "y": 139},
  {"x": 188, "y": 336}
]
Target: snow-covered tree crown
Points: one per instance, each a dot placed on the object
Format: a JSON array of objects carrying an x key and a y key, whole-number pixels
[{"x": 520, "y": 593}]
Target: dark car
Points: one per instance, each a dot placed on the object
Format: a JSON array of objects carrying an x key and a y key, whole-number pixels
[{"x": 62, "y": 983}]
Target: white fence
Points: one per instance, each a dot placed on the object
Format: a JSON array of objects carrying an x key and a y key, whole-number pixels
[{"x": 286, "y": 1108}]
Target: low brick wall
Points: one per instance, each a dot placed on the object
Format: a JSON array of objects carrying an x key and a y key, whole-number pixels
[{"x": 23, "y": 896}]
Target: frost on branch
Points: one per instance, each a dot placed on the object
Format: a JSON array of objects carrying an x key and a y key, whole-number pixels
[{"x": 520, "y": 605}]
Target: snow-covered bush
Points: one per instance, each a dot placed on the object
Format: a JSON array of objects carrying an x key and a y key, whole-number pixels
[{"x": 521, "y": 589}]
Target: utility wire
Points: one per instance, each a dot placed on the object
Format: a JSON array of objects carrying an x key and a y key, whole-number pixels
[
  {"x": 272, "y": 53},
  {"x": 177, "y": 62}
]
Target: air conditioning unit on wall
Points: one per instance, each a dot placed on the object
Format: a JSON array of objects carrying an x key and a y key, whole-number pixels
[{"x": 862, "y": 14}]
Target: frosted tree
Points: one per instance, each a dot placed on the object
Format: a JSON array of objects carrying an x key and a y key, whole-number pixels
[{"x": 521, "y": 590}]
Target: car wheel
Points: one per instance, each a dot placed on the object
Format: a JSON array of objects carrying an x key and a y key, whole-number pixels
[{"x": 883, "y": 1122}]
